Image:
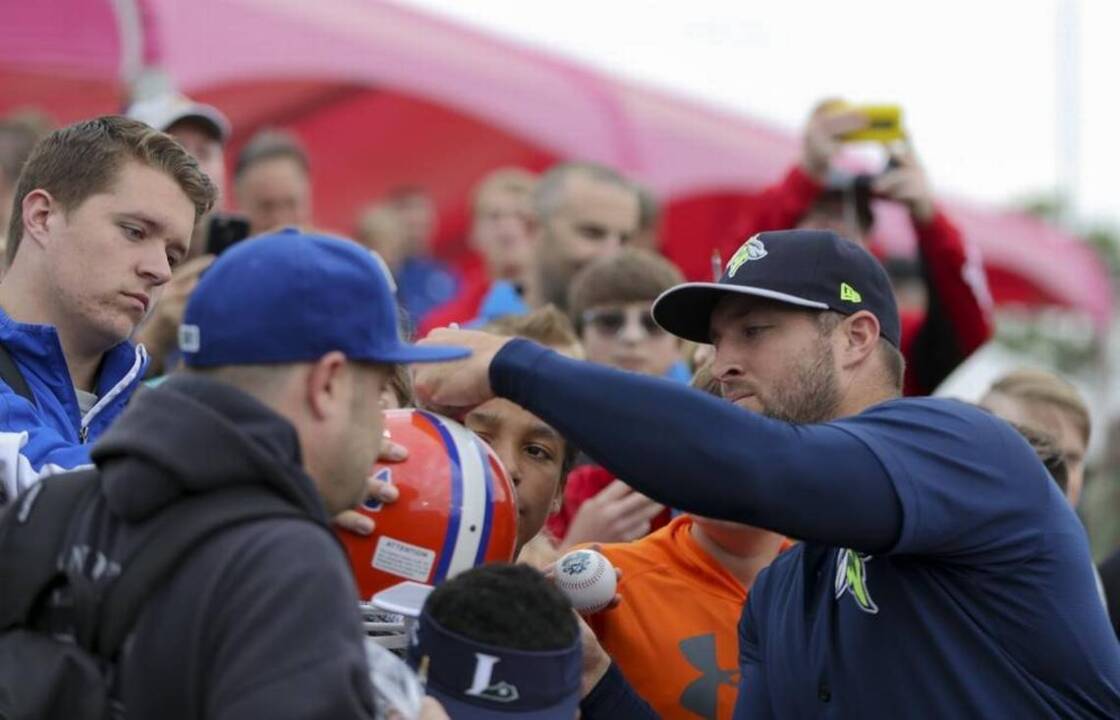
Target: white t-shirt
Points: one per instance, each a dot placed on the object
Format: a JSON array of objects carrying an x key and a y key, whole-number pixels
[{"x": 86, "y": 401}]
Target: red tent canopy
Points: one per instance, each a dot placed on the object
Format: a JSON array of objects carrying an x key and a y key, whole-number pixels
[{"x": 384, "y": 96}]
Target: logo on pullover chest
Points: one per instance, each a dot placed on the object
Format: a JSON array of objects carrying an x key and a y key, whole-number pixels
[{"x": 851, "y": 578}]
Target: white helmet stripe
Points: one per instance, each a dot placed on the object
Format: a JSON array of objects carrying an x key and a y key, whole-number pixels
[{"x": 473, "y": 509}]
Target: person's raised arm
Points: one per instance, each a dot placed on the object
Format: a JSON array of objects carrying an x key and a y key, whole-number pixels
[
  {"x": 957, "y": 320},
  {"x": 681, "y": 447}
]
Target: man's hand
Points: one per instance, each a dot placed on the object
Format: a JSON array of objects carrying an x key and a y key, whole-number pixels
[
  {"x": 451, "y": 388},
  {"x": 907, "y": 183},
  {"x": 379, "y": 490},
  {"x": 822, "y": 138},
  {"x": 161, "y": 333},
  {"x": 617, "y": 514}
]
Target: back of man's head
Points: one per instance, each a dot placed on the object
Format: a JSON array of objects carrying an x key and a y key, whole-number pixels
[
  {"x": 84, "y": 159},
  {"x": 507, "y": 606},
  {"x": 499, "y": 641}
]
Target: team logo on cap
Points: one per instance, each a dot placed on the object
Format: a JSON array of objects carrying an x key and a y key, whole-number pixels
[
  {"x": 752, "y": 249},
  {"x": 851, "y": 577},
  {"x": 482, "y": 685}
]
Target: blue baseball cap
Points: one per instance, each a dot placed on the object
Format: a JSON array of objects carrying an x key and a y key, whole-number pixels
[
  {"x": 476, "y": 681},
  {"x": 290, "y": 297},
  {"x": 811, "y": 269}
]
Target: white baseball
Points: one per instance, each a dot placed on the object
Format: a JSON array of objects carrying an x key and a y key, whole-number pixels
[{"x": 588, "y": 579}]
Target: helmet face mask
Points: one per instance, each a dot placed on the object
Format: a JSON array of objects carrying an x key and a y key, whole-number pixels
[{"x": 457, "y": 508}]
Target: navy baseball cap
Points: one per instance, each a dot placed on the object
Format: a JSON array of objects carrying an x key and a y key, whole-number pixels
[
  {"x": 476, "y": 681},
  {"x": 814, "y": 269},
  {"x": 293, "y": 297}
]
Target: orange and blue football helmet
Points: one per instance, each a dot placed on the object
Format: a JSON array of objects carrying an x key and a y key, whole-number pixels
[{"x": 457, "y": 507}]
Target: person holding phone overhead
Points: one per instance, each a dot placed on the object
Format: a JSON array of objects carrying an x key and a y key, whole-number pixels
[{"x": 953, "y": 319}]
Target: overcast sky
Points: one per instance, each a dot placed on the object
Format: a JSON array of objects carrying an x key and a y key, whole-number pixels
[{"x": 978, "y": 80}]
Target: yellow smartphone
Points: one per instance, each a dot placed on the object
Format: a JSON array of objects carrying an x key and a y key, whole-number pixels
[{"x": 884, "y": 124}]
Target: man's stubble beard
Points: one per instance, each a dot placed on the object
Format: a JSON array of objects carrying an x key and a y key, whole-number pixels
[{"x": 812, "y": 395}]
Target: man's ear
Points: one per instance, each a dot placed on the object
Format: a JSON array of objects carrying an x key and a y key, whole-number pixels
[
  {"x": 328, "y": 386},
  {"x": 37, "y": 207},
  {"x": 859, "y": 338}
]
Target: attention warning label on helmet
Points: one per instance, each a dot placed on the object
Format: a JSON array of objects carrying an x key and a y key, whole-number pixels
[{"x": 402, "y": 559}]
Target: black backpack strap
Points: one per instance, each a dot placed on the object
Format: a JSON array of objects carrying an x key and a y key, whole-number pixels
[
  {"x": 32, "y": 531},
  {"x": 177, "y": 531},
  {"x": 13, "y": 377}
]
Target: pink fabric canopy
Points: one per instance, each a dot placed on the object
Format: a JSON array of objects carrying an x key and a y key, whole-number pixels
[{"x": 385, "y": 96}]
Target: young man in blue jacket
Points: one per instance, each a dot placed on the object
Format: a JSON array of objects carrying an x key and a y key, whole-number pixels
[
  {"x": 103, "y": 210},
  {"x": 941, "y": 573}
]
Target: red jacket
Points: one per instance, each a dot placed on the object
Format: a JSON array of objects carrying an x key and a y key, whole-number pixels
[{"x": 956, "y": 321}]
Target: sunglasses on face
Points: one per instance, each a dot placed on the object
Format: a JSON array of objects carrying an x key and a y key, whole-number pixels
[{"x": 611, "y": 322}]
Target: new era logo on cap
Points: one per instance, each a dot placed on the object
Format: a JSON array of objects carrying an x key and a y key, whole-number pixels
[
  {"x": 811, "y": 269},
  {"x": 849, "y": 294}
]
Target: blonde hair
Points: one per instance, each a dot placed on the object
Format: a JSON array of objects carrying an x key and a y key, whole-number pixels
[{"x": 1041, "y": 390}]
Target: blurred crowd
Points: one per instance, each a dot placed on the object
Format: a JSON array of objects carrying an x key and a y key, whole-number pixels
[{"x": 115, "y": 290}]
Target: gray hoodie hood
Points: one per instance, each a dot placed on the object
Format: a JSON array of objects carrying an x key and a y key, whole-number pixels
[{"x": 150, "y": 457}]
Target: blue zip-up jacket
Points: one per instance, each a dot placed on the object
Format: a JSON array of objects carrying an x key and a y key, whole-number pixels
[{"x": 50, "y": 435}]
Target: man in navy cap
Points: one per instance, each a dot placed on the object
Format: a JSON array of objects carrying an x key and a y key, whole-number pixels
[
  {"x": 942, "y": 573},
  {"x": 288, "y": 340}
]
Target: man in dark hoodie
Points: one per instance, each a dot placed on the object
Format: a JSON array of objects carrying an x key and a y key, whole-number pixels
[{"x": 288, "y": 340}]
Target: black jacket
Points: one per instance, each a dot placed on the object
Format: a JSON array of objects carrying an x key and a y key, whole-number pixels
[{"x": 262, "y": 620}]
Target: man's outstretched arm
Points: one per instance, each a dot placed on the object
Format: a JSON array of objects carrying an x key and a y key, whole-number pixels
[{"x": 684, "y": 448}]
